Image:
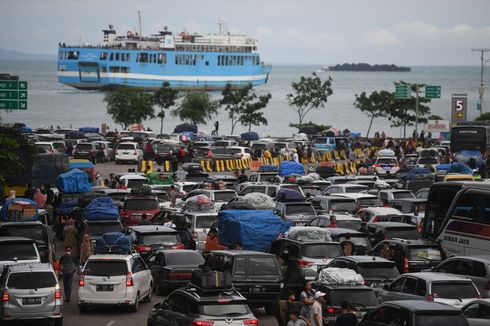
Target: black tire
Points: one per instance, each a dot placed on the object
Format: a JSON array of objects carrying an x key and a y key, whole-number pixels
[
  {"x": 58, "y": 322},
  {"x": 83, "y": 309},
  {"x": 136, "y": 306},
  {"x": 148, "y": 296}
]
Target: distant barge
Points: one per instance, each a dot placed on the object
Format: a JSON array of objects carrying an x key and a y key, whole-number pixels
[{"x": 366, "y": 67}]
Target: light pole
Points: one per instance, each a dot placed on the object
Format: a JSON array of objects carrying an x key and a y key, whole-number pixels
[{"x": 481, "y": 91}]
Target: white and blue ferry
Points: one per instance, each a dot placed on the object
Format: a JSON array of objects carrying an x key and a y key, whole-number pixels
[{"x": 186, "y": 61}]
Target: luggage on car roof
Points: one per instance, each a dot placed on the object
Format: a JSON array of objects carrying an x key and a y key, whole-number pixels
[
  {"x": 101, "y": 208},
  {"x": 141, "y": 190},
  {"x": 285, "y": 195},
  {"x": 211, "y": 280},
  {"x": 268, "y": 168},
  {"x": 115, "y": 243}
]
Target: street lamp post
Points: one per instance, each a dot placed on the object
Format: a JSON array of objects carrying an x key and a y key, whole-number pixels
[{"x": 481, "y": 91}]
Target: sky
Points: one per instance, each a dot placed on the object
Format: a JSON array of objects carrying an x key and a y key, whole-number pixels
[{"x": 408, "y": 32}]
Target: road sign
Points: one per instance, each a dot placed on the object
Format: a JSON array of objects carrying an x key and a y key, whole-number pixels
[
  {"x": 432, "y": 91},
  {"x": 459, "y": 103},
  {"x": 402, "y": 92},
  {"x": 13, "y": 95}
]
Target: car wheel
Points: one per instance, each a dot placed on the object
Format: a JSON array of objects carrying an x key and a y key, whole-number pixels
[
  {"x": 150, "y": 292},
  {"x": 58, "y": 322},
  {"x": 82, "y": 309},
  {"x": 136, "y": 306}
]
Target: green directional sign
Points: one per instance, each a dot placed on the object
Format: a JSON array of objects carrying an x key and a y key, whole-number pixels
[
  {"x": 13, "y": 95},
  {"x": 432, "y": 91},
  {"x": 402, "y": 92}
]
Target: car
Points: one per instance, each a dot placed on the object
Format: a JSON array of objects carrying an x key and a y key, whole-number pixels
[
  {"x": 477, "y": 312},
  {"x": 114, "y": 279},
  {"x": 363, "y": 200},
  {"x": 389, "y": 195},
  {"x": 310, "y": 190},
  {"x": 59, "y": 146},
  {"x": 386, "y": 166},
  {"x": 89, "y": 151},
  {"x": 31, "y": 291},
  {"x": 182, "y": 225},
  {"x": 256, "y": 275},
  {"x": 477, "y": 268},
  {"x": 388, "y": 230},
  {"x": 200, "y": 223},
  {"x": 42, "y": 235},
  {"x": 414, "y": 313},
  {"x": 376, "y": 271},
  {"x": 128, "y": 152},
  {"x": 345, "y": 188},
  {"x": 362, "y": 245},
  {"x": 172, "y": 269},
  {"x": 47, "y": 147},
  {"x": 411, "y": 255},
  {"x": 128, "y": 180},
  {"x": 164, "y": 152},
  {"x": 149, "y": 238},
  {"x": 449, "y": 289},
  {"x": 430, "y": 162},
  {"x": 193, "y": 306},
  {"x": 343, "y": 221},
  {"x": 135, "y": 206},
  {"x": 265, "y": 188},
  {"x": 378, "y": 214},
  {"x": 107, "y": 148},
  {"x": 241, "y": 152},
  {"x": 96, "y": 229},
  {"x": 298, "y": 213},
  {"x": 334, "y": 205},
  {"x": 17, "y": 250}
]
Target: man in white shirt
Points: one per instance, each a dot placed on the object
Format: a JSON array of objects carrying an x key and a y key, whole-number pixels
[{"x": 316, "y": 309}]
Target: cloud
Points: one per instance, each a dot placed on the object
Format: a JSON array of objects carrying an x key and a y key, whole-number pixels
[{"x": 380, "y": 37}]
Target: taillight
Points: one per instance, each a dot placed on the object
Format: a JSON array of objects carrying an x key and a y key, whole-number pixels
[
  {"x": 224, "y": 301},
  {"x": 430, "y": 297},
  {"x": 57, "y": 292},
  {"x": 129, "y": 280},
  {"x": 406, "y": 267},
  {"x": 251, "y": 322},
  {"x": 179, "y": 246},
  {"x": 5, "y": 296},
  {"x": 143, "y": 248},
  {"x": 194, "y": 234},
  {"x": 304, "y": 263},
  {"x": 202, "y": 323},
  {"x": 81, "y": 280},
  {"x": 330, "y": 310}
]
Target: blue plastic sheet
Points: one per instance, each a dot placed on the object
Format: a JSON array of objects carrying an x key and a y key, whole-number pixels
[
  {"x": 101, "y": 208},
  {"x": 74, "y": 181},
  {"x": 290, "y": 168}
]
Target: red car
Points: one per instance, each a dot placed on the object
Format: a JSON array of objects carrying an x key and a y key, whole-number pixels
[{"x": 135, "y": 206}]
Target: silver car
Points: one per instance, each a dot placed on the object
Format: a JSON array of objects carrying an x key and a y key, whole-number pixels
[
  {"x": 16, "y": 250},
  {"x": 31, "y": 291}
]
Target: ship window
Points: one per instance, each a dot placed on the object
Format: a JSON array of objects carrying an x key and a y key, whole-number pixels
[
  {"x": 117, "y": 56},
  {"x": 162, "y": 58},
  {"x": 207, "y": 63},
  {"x": 142, "y": 57},
  {"x": 128, "y": 56},
  {"x": 103, "y": 69},
  {"x": 61, "y": 54},
  {"x": 72, "y": 55},
  {"x": 103, "y": 55},
  {"x": 123, "y": 56},
  {"x": 111, "y": 58}
]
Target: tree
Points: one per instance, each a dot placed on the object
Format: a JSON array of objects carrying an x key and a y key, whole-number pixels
[
  {"x": 164, "y": 98},
  {"x": 127, "y": 106},
  {"x": 252, "y": 114},
  {"x": 198, "y": 107},
  {"x": 309, "y": 93},
  {"x": 484, "y": 117},
  {"x": 375, "y": 105}
]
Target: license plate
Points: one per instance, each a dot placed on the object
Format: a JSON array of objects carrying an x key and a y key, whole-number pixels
[
  {"x": 27, "y": 301},
  {"x": 256, "y": 290},
  {"x": 105, "y": 288},
  {"x": 386, "y": 167},
  {"x": 125, "y": 153}
]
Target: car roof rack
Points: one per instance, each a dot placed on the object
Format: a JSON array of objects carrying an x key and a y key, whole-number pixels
[{"x": 191, "y": 286}]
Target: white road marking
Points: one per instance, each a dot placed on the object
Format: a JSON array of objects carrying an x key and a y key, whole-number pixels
[{"x": 110, "y": 323}]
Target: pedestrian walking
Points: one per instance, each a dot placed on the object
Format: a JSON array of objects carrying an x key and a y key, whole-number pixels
[
  {"x": 316, "y": 309},
  {"x": 87, "y": 249},
  {"x": 307, "y": 298},
  {"x": 347, "y": 317},
  {"x": 69, "y": 266}
]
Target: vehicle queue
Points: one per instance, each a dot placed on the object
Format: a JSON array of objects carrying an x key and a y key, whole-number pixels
[{"x": 381, "y": 242}]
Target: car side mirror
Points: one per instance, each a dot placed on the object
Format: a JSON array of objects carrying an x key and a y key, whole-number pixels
[{"x": 159, "y": 305}]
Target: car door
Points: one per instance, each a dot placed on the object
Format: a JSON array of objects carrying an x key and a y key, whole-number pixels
[
  {"x": 409, "y": 289},
  {"x": 392, "y": 291},
  {"x": 386, "y": 316},
  {"x": 157, "y": 262},
  {"x": 139, "y": 276}
]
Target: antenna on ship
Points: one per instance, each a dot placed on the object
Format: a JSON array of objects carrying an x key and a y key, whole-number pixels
[
  {"x": 139, "y": 22},
  {"x": 223, "y": 28}
]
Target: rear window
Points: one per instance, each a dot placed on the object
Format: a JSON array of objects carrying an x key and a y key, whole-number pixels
[
  {"x": 343, "y": 206},
  {"x": 357, "y": 298},
  {"x": 126, "y": 147},
  {"x": 224, "y": 310},
  {"x": 224, "y": 196},
  {"x": 351, "y": 190},
  {"x": 135, "y": 183},
  {"x": 99, "y": 229},
  {"x": 184, "y": 258},
  {"x": 349, "y": 224},
  {"x": 161, "y": 238},
  {"x": 321, "y": 251},
  {"x": 300, "y": 209},
  {"x": 84, "y": 146},
  {"x": 387, "y": 161},
  {"x": 205, "y": 221},
  {"x": 141, "y": 204},
  {"x": 261, "y": 266},
  {"x": 425, "y": 253},
  {"x": 370, "y": 202},
  {"x": 356, "y": 240},
  {"x": 164, "y": 148},
  {"x": 403, "y": 233},
  {"x": 440, "y": 319},
  {"x": 34, "y": 232},
  {"x": 106, "y": 268},
  {"x": 31, "y": 280},
  {"x": 15, "y": 250},
  {"x": 402, "y": 194},
  {"x": 378, "y": 270},
  {"x": 452, "y": 290},
  {"x": 427, "y": 160}
]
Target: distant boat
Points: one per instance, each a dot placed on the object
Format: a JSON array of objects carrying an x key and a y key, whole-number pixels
[{"x": 366, "y": 67}]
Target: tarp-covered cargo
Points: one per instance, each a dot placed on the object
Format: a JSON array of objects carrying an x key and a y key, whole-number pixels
[
  {"x": 199, "y": 203},
  {"x": 250, "y": 136},
  {"x": 47, "y": 167},
  {"x": 114, "y": 242},
  {"x": 290, "y": 168},
  {"x": 285, "y": 195},
  {"x": 339, "y": 276},
  {"x": 254, "y": 229},
  {"x": 268, "y": 168},
  {"x": 19, "y": 209},
  {"x": 157, "y": 178},
  {"x": 73, "y": 181},
  {"x": 101, "y": 208}
]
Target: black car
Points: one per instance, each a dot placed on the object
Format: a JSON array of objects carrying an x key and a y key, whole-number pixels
[
  {"x": 390, "y": 230},
  {"x": 149, "y": 238},
  {"x": 411, "y": 255},
  {"x": 164, "y": 152},
  {"x": 172, "y": 269},
  {"x": 89, "y": 151},
  {"x": 376, "y": 271},
  {"x": 362, "y": 245},
  {"x": 254, "y": 274},
  {"x": 182, "y": 225}
]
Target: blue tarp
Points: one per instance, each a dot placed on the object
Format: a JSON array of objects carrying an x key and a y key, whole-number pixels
[
  {"x": 268, "y": 168},
  {"x": 26, "y": 130},
  {"x": 114, "y": 242},
  {"x": 89, "y": 130},
  {"x": 440, "y": 167},
  {"x": 26, "y": 210},
  {"x": 101, "y": 208},
  {"x": 355, "y": 134},
  {"x": 73, "y": 181},
  {"x": 81, "y": 165},
  {"x": 250, "y": 136},
  {"x": 255, "y": 229},
  {"x": 457, "y": 167},
  {"x": 67, "y": 207},
  {"x": 289, "y": 195},
  {"x": 290, "y": 168}
]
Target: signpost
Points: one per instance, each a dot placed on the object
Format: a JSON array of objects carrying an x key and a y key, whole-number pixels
[
  {"x": 13, "y": 93},
  {"x": 432, "y": 92},
  {"x": 402, "y": 92},
  {"x": 459, "y": 110}
]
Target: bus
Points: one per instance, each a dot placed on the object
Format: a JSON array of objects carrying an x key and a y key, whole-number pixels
[
  {"x": 458, "y": 216},
  {"x": 471, "y": 136}
]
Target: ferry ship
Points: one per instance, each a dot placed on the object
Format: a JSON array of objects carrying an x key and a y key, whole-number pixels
[{"x": 186, "y": 61}]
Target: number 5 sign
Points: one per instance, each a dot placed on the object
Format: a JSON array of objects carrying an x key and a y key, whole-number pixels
[{"x": 459, "y": 103}]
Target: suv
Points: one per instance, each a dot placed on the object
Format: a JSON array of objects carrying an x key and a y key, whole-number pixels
[
  {"x": 109, "y": 279},
  {"x": 96, "y": 229},
  {"x": 148, "y": 238},
  {"x": 298, "y": 213},
  {"x": 414, "y": 313},
  {"x": 388, "y": 196},
  {"x": 389, "y": 230},
  {"x": 128, "y": 151},
  {"x": 135, "y": 206},
  {"x": 191, "y": 306},
  {"x": 334, "y": 205},
  {"x": 30, "y": 291},
  {"x": 89, "y": 151},
  {"x": 411, "y": 255},
  {"x": 200, "y": 223},
  {"x": 37, "y": 231},
  {"x": 16, "y": 250},
  {"x": 255, "y": 274},
  {"x": 378, "y": 214},
  {"x": 386, "y": 166}
]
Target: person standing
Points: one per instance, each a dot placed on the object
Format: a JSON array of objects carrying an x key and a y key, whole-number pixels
[
  {"x": 316, "y": 309},
  {"x": 69, "y": 266},
  {"x": 333, "y": 222},
  {"x": 347, "y": 318},
  {"x": 242, "y": 177},
  {"x": 307, "y": 298},
  {"x": 295, "y": 320},
  {"x": 86, "y": 250}
]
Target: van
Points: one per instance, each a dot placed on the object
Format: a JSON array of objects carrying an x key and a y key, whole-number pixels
[
  {"x": 17, "y": 250},
  {"x": 200, "y": 225},
  {"x": 128, "y": 152}
]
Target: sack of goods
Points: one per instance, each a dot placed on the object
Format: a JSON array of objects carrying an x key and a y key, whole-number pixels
[
  {"x": 114, "y": 243},
  {"x": 290, "y": 168},
  {"x": 143, "y": 190},
  {"x": 199, "y": 203},
  {"x": 101, "y": 208},
  {"x": 285, "y": 195},
  {"x": 259, "y": 200},
  {"x": 211, "y": 280},
  {"x": 339, "y": 276}
]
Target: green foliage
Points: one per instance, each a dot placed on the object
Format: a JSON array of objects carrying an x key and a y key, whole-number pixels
[
  {"x": 484, "y": 117},
  {"x": 164, "y": 98},
  {"x": 376, "y": 105},
  {"x": 309, "y": 93},
  {"x": 127, "y": 106},
  {"x": 244, "y": 106},
  {"x": 198, "y": 107},
  {"x": 310, "y": 126},
  {"x": 435, "y": 117}
]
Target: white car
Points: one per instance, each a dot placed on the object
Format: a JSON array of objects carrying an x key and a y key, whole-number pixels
[
  {"x": 363, "y": 200},
  {"x": 378, "y": 214},
  {"x": 128, "y": 152},
  {"x": 243, "y": 152},
  {"x": 345, "y": 188},
  {"x": 47, "y": 146},
  {"x": 114, "y": 279},
  {"x": 386, "y": 165},
  {"x": 200, "y": 225}
]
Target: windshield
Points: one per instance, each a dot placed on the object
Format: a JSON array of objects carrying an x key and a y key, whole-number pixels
[
  {"x": 99, "y": 229},
  {"x": 321, "y": 251},
  {"x": 224, "y": 196},
  {"x": 358, "y": 240},
  {"x": 126, "y": 147},
  {"x": 387, "y": 161},
  {"x": 351, "y": 190},
  {"x": 370, "y": 202},
  {"x": 320, "y": 140},
  {"x": 403, "y": 233},
  {"x": 106, "y": 268},
  {"x": 205, "y": 221},
  {"x": 224, "y": 310},
  {"x": 357, "y": 298},
  {"x": 16, "y": 250},
  {"x": 378, "y": 270},
  {"x": 35, "y": 232},
  {"x": 184, "y": 257},
  {"x": 306, "y": 209},
  {"x": 425, "y": 253},
  {"x": 31, "y": 280},
  {"x": 159, "y": 239},
  {"x": 452, "y": 290},
  {"x": 403, "y": 194},
  {"x": 349, "y": 224},
  {"x": 440, "y": 320},
  {"x": 344, "y": 206},
  {"x": 141, "y": 204}
]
